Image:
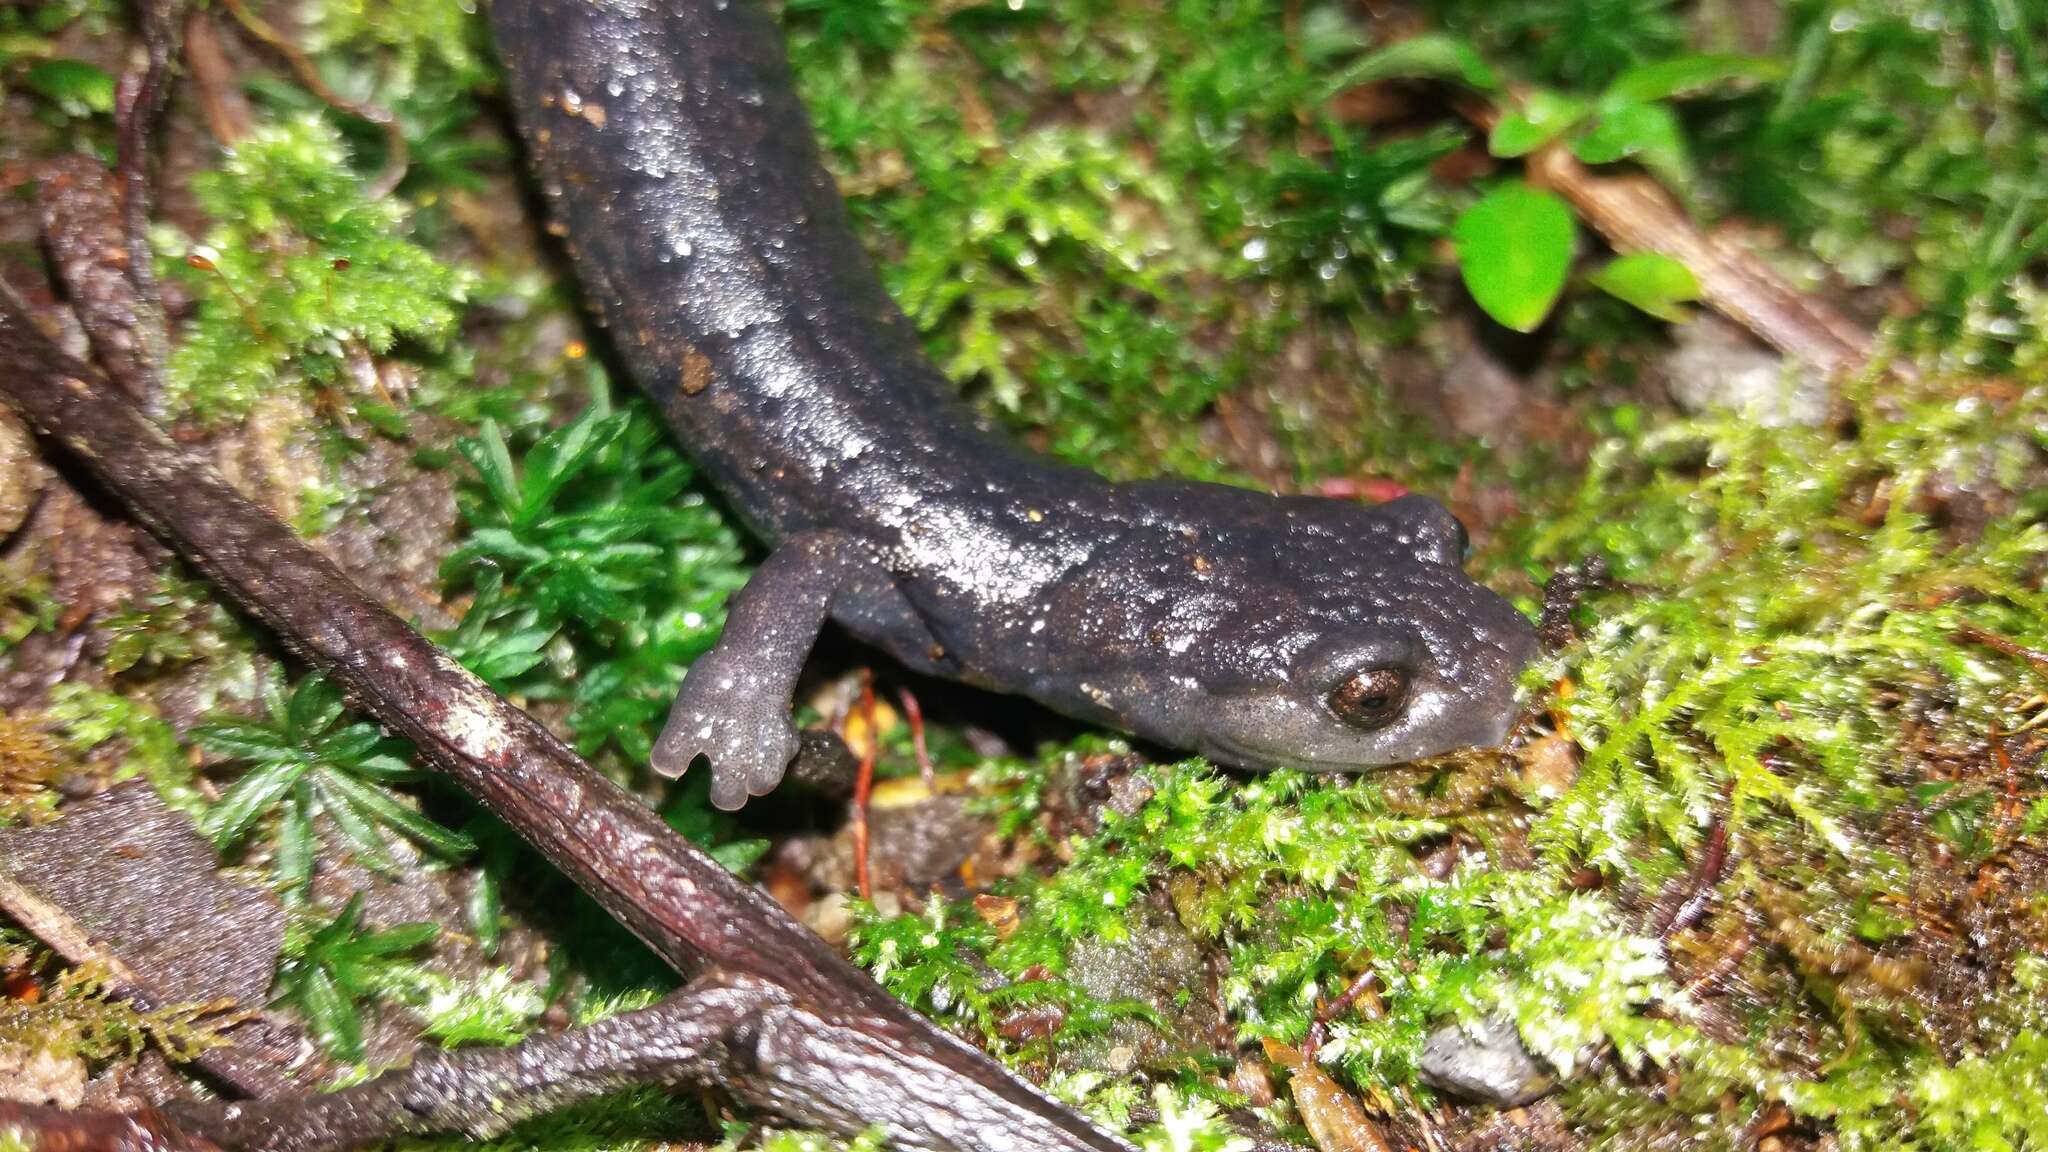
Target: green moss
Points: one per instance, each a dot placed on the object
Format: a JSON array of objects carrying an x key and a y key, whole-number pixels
[
  {"x": 90, "y": 720},
  {"x": 1908, "y": 141},
  {"x": 597, "y": 535},
  {"x": 1103, "y": 288},
  {"x": 1306, "y": 886},
  {"x": 299, "y": 272},
  {"x": 78, "y": 1016}
]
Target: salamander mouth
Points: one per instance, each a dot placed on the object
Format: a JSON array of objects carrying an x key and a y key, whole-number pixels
[{"x": 1237, "y": 754}]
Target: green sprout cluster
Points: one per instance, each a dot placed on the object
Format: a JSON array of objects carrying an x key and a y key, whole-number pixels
[
  {"x": 307, "y": 759},
  {"x": 600, "y": 572}
]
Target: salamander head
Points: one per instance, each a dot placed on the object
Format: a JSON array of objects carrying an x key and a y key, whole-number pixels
[{"x": 1323, "y": 636}]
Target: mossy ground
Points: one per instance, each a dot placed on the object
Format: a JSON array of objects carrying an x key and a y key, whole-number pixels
[{"x": 1155, "y": 237}]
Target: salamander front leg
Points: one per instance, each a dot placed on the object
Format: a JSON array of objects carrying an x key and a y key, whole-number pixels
[{"x": 734, "y": 706}]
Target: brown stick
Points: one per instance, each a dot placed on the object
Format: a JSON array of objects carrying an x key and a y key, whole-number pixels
[
  {"x": 141, "y": 100},
  {"x": 859, "y": 1059},
  {"x": 1636, "y": 214},
  {"x": 93, "y": 251},
  {"x": 39, "y": 1126},
  {"x": 485, "y": 1092}
]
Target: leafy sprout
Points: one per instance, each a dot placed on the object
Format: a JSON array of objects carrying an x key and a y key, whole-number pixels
[
  {"x": 331, "y": 968},
  {"x": 592, "y": 536},
  {"x": 307, "y": 759}
]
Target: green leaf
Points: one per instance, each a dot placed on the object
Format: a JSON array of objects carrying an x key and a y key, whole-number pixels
[
  {"x": 330, "y": 1016},
  {"x": 1514, "y": 249},
  {"x": 561, "y": 454},
  {"x": 1687, "y": 75},
  {"x": 1543, "y": 117},
  {"x": 314, "y": 706},
  {"x": 1651, "y": 281},
  {"x": 488, "y": 454},
  {"x": 80, "y": 89},
  {"x": 1427, "y": 57},
  {"x": 381, "y": 806},
  {"x": 485, "y": 909},
  {"x": 383, "y": 417},
  {"x": 395, "y": 940},
  {"x": 356, "y": 826},
  {"x": 293, "y": 863},
  {"x": 241, "y": 740},
  {"x": 349, "y": 745},
  {"x": 226, "y": 822},
  {"x": 1648, "y": 133}
]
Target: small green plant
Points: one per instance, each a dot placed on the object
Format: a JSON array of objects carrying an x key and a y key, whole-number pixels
[
  {"x": 330, "y": 969},
  {"x": 169, "y": 627},
  {"x": 298, "y": 269},
  {"x": 307, "y": 759},
  {"x": 90, "y": 719},
  {"x": 595, "y": 538},
  {"x": 1515, "y": 243}
]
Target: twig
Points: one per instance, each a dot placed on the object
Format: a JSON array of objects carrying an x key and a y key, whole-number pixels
[
  {"x": 1985, "y": 638},
  {"x": 688, "y": 1038},
  {"x": 1319, "y": 1028},
  {"x": 1562, "y": 594},
  {"x": 856, "y": 1058},
  {"x": 220, "y": 99},
  {"x": 140, "y": 102},
  {"x": 82, "y": 213},
  {"x": 864, "y": 787},
  {"x": 396, "y": 152},
  {"x": 913, "y": 714},
  {"x": 1636, "y": 214},
  {"x": 41, "y": 1127},
  {"x": 1707, "y": 875}
]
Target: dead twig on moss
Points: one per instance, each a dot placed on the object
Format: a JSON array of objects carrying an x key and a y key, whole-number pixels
[
  {"x": 140, "y": 101},
  {"x": 1636, "y": 214},
  {"x": 854, "y": 1058}
]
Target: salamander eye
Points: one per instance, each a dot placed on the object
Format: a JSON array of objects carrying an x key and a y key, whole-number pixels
[{"x": 1371, "y": 698}]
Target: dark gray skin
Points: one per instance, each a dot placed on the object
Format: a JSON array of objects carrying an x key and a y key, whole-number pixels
[{"x": 1261, "y": 631}]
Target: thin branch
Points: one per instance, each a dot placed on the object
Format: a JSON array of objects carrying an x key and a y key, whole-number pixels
[
  {"x": 95, "y": 253},
  {"x": 1636, "y": 214},
  {"x": 221, "y": 102},
  {"x": 41, "y": 1127},
  {"x": 485, "y": 1092},
  {"x": 854, "y": 1058},
  {"x": 141, "y": 102}
]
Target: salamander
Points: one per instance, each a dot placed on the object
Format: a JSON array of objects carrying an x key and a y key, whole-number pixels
[{"x": 1262, "y": 631}]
